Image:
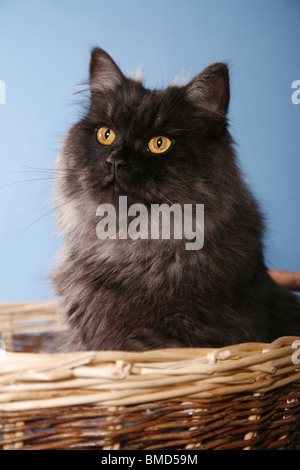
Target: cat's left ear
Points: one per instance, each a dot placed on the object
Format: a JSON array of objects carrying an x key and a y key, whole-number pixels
[
  {"x": 104, "y": 73},
  {"x": 210, "y": 89}
]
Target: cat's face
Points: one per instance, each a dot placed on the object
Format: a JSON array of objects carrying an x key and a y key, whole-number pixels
[{"x": 154, "y": 146}]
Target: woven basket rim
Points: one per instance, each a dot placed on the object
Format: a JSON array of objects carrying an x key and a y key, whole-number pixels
[
  {"x": 30, "y": 380},
  {"x": 42, "y": 380}
]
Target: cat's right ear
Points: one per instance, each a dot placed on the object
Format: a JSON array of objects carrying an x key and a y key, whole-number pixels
[{"x": 105, "y": 75}]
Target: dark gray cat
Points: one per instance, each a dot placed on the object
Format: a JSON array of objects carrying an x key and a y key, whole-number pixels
[{"x": 161, "y": 146}]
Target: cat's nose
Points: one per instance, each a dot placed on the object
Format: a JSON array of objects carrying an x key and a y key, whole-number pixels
[{"x": 116, "y": 163}]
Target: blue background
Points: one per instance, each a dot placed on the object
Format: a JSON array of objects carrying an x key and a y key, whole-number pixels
[{"x": 44, "y": 56}]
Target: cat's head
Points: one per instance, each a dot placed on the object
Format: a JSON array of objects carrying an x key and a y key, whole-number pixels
[{"x": 152, "y": 145}]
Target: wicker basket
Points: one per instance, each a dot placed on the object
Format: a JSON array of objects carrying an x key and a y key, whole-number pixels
[{"x": 245, "y": 396}]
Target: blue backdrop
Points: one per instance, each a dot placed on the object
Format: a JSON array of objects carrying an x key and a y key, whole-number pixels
[{"x": 44, "y": 56}]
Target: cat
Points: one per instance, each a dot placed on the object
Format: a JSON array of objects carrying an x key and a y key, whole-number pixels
[{"x": 141, "y": 294}]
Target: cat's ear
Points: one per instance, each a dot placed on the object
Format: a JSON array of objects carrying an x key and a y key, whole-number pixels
[
  {"x": 210, "y": 89},
  {"x": 104, "y": 73}
]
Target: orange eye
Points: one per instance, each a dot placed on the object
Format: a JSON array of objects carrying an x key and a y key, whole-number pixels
[
  {"x": 106, "y": 136},
  {"x": 159, "y": 144}
]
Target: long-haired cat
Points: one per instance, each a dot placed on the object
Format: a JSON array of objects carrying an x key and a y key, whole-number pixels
[{"x": 167, "y": 146}]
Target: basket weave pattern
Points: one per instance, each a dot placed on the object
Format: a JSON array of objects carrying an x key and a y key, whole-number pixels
[{"x": 245, "y": 396}]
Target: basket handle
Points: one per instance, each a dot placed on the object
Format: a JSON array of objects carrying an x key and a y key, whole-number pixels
[{"x": 288, "y": 279}]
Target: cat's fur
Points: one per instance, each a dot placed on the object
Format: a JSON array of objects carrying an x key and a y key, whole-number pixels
[{"x": 144, "y": 294}]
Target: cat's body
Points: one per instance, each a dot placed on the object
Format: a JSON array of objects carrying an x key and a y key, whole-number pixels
[{"x": 144, "y": 294}]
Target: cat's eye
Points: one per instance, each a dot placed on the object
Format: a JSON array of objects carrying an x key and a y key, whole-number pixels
[
  {"x": 159, "y": 144},
  {"x": 105, "y": 135}
]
